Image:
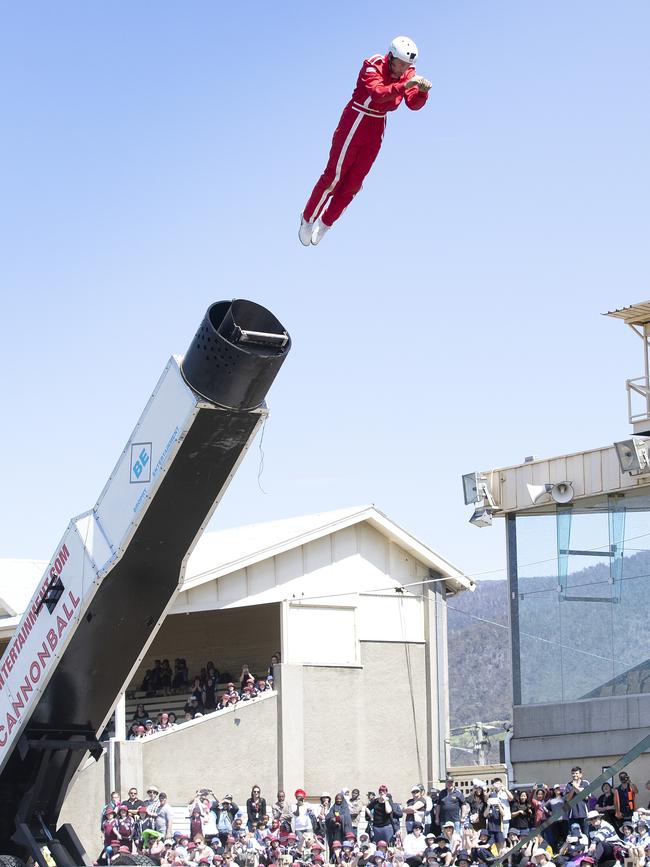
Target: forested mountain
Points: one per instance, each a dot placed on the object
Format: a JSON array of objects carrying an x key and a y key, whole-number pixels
[
  {"x": 479, "y": 655},
  {"x": 582, "y": 635}
]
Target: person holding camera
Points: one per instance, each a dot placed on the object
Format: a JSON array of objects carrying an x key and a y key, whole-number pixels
[
  {"x": 505, "y": 798},
  {"x": 494, "y": 819},
  {"x": 381, "y": 810},
  {"x": 302, "y": 816},
  {"x": 226, "y": 811}
]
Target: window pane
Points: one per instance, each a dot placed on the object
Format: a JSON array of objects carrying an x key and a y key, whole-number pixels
[{"x": 582, "y": 580}]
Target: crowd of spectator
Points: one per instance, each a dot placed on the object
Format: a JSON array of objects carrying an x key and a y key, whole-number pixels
[
  {"x": 429, "y": 828},
  {"x": 209, "y": 691}
]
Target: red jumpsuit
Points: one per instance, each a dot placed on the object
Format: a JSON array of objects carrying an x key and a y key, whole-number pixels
[{"x": 358, "y": 137}]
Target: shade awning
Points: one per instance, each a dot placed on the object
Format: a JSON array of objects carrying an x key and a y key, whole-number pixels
[{"x": 635, "y": 314}]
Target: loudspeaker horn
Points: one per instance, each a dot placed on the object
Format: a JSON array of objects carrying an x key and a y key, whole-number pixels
[
  {"x": 535, "y": 492},
  {"x": 562, "y": 492}
]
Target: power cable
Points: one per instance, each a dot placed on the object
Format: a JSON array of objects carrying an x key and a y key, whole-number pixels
[
  {"x": 409, "y": 670},
  {"x": 523, "y": 593},
  {"x": 552, "y": 559},
  {"x": 260, "y": 468},
  {"x": 530, "y": 635}
]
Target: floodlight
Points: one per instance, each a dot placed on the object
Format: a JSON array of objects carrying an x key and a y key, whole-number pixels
[
  {"x": 471, "y": 482},
  {"x": 475, "y": 489},
  {"x": 633, "y": 456},
  {"x": 482, "y": 517}
]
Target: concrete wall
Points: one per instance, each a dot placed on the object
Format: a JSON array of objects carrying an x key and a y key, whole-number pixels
[
  {"x": 326, "y": 728},
  {"x": 89, "y": 791},
  {"x": 359, "y": 729},
  {"x": 579, "y": 730},
  {"x": 229, "y": 638},
  {"x": 229, "y": 752},
  {"x": 555, "y": 771}
]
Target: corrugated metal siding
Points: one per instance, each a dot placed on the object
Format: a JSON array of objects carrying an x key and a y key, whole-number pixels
[{"x": 593, "y": 472}]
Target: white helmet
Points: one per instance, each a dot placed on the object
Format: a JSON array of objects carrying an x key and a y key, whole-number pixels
[{"x": 403, "y": 48}]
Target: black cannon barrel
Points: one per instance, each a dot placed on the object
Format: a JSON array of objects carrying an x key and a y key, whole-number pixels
[
  {"x": 236, "y": 354},
  {"x": 229, "y": 367}
]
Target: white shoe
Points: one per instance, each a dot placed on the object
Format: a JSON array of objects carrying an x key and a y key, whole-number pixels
[
  {"x": 305, "y": 231},
  {"x": 319, "y": 230}
]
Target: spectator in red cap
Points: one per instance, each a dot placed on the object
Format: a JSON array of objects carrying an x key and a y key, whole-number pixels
[
  {"x": 125, "y": 825},
  {"x": 109, "y": 826},
  {"x": 302, "y": 816},
  {"x": 143, "y": 822}
]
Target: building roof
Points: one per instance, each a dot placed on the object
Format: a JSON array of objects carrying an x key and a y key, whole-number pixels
[
  {"x": 218, "y": 553},
  {"x": 221, "y": 552},
  {"x": 635, "y": 314},
  {"x": 18, "y": 578}
]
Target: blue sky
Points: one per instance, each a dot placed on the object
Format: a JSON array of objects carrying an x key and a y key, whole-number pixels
[{"x": 155, "y": 157}]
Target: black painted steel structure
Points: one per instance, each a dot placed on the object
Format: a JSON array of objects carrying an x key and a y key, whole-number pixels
[{"x": 234, "y": 375}]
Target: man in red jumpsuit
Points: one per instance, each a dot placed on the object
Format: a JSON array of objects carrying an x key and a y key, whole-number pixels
[{"x": 382, "y": 85}]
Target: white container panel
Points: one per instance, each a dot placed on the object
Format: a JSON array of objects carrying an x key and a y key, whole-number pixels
[
  {"x": 575, "y": 471},
  {"x": 319, "y": 635},
  {"x": 373, "y": 547},
  {"x": 593, "y": 473},
  {"x": 391, "y": 618},
  {"x": 140, "y": 469},
  {"x": 541, "y": 472},
  {"x": 317, "y": 554},
  {"x": 40, "y": 638},
  {"x": 344, "y": 543},
  {"x": 508, "y": 490},
  {"x": 401, "y": 565},
  {"x": 524, "y": 477},
  {"x": 611, "y": 474},
  {"x": 261, "y": 576},
  {"x": 94, "y": 540},
  {"x": 558, "y": 471}
]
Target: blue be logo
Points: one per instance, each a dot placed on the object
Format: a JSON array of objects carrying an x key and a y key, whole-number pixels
[{"x": 140, "y": 462}]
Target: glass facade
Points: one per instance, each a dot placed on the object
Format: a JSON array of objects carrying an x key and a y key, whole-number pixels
[{"x": 579, "y": 590}]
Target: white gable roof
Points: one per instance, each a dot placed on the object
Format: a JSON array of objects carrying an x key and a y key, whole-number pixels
[{"x": 224, "y": 551}]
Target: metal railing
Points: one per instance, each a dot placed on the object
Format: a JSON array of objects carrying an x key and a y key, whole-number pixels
[{"x": 640, "y": 386}]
